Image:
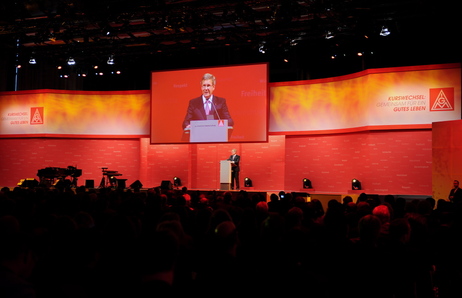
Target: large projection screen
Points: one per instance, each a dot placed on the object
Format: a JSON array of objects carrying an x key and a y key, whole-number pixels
[{"x": 243, "y": 89}]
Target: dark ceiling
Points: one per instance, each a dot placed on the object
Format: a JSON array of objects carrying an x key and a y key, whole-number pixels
[{"x": 145, "y": 35}]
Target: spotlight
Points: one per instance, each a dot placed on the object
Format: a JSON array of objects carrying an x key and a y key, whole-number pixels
[
  {"x": 166, "y": 185},
  {"x": 355, "y": 184},
  {"x": 247, "y": 182},
  {"x": 384, "y": 31},
  {"x": 262, "y": 47},
  {"x": 329, "y": 35},
  {"x": 32, "y": 61},
  {"x": 113, "y": 180},
  {"x": 176, "y": 181},
  {"x": 136, "y": 185},
  {"x": 110, "y": 61},
  {"x": 71, "y": 61},
  {"x": 307, "y": 183}
]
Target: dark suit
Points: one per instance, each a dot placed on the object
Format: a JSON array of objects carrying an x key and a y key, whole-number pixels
[
  {"x": 196, "y": 111},
  {"x": 235, "y": 169},
  {"x": 456, "y": 195}
]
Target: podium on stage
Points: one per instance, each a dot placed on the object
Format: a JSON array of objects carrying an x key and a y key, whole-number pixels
[
  {"x": 225, "y": 175},
  {"x": 208, "y": 131}
]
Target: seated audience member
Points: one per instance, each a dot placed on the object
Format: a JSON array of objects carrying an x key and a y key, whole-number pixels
[
  {"x": 274, "y": 203},
  {"x": 400, "y": 260},
  {"x": 222, "y": 269},
  {"x": 368, "y": 268},
  {"x": 261, "y": 210},
  {"x": 184, "y": 265},
  {"x": 17, "y": 261},
  {"x": 383, "y": 213},
  {"x": 157, "y": 258},
  {"x": 346, "y": 200}
]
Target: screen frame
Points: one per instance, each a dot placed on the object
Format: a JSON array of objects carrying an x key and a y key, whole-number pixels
[{"x": 184, "y": 85}]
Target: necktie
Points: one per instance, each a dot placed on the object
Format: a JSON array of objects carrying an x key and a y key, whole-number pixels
[{"x": 207, "y": 107}]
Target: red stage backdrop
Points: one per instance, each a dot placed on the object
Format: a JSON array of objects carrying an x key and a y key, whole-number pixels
[
  {"x": 87, "y": 114},
  {"x": 397, "y": 162},
  {"x": 447, "y": 156},
  {"x": 396, "y": 98},
  {"x": 329, "y": 142}
]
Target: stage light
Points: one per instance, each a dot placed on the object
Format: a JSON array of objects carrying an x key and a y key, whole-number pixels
[
  {"x": 113, "y": 180},
  {"x": 136, "y": 185},
  {"x": 384, "y": 31},
  {"x": 262, "y": 47},
  {"x": 307, "y": 183},
  {"x": 247, "y": 182},
  {"x": 110, "y": 61},
  {"x": 32, "y": 61},
  {"x": 166, "y": 185},
  {"x": 71, "y": 61},
  {"x": 329, "y": 35},
  {"x": 176, "y": 181},
  {"x": 355, "y": 184}
]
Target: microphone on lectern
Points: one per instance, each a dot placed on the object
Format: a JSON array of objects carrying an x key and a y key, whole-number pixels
[{"x": 218, "y": 115}]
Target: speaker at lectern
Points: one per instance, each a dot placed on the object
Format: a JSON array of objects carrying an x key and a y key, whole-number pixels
[{"x": 208, "y": 131}]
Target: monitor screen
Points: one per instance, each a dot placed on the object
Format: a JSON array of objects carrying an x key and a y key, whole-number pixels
[{"x": 210, "y": 105}]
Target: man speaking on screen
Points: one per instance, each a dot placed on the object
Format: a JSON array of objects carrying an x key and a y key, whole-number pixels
[{"x": 207, "y": 106}]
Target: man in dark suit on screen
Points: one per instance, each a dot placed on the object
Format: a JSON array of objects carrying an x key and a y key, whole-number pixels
[{"x": 207, "y": 106}]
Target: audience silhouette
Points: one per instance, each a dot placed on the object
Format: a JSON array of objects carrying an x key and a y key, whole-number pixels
[{"x": 87, "y": 243}]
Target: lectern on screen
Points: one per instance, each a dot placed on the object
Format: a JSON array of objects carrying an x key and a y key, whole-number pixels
[
  {"x": 237, "y": 112},
  {"x": 209, "y": 131}
]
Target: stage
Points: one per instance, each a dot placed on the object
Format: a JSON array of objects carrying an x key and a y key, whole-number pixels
[{"x": 308, "y": 194}]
